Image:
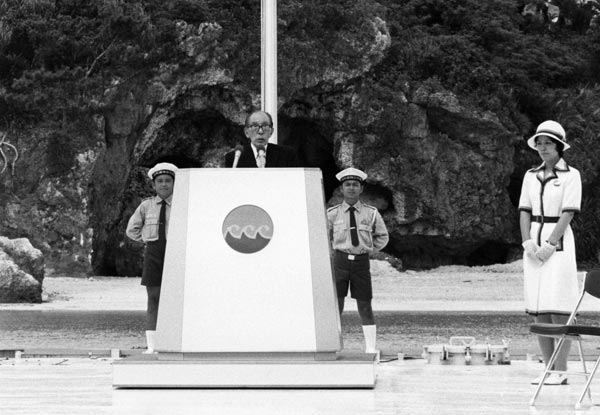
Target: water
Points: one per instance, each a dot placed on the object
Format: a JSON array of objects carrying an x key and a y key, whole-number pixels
[
  {"x": 397, "y": 330},
  {"x": 72, "y": 329}
]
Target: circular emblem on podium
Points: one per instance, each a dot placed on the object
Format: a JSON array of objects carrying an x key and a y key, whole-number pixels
[{"x": 247, "y": 229}]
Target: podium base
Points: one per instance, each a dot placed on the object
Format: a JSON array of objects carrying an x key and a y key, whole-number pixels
[{"x": 348, "y": 370}]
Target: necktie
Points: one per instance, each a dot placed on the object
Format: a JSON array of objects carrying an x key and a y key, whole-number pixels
[
  {"x": 262, "y": 159},
  {"x": 353, "y": 231},
  {"x": 162, "y": 219}
]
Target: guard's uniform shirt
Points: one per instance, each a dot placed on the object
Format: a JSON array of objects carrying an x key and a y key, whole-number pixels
[
  {"x": 143, "y": 224},
  {"x": 372, "y": 233}
]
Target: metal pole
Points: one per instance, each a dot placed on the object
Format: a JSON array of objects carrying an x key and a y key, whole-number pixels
[{"x": 268, "y": 61}]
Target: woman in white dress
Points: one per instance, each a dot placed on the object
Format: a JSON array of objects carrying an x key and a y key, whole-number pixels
[{"x": 550, "y": 197}]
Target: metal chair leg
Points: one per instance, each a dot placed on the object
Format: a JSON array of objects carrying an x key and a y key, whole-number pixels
[
  {"x": 581, "y": 357},
  {"x": 547, "y": 370},
  {"x": 590, "y": 377}
]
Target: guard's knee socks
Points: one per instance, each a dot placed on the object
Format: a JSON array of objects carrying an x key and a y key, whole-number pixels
[
  {"x": 370, "y": 333},
  {"x": 150, "y": 341}
]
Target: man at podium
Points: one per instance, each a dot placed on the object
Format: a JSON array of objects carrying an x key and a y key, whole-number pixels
[
  {"x": 356, "y": 229},
  {"x": 259, "y": 152}
]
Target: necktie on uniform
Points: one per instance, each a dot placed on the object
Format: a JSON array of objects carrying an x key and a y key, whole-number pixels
[
  {"x": 162, "y": 219},
  {"x": 261, "y": 158},
  {"x": 353, "y": 231}
]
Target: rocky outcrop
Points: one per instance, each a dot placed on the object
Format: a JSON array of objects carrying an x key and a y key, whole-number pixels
[{"x": 21, "y": 271}]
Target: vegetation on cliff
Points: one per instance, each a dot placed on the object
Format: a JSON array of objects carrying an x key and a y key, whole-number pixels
[{"x": 57, "y": 58}]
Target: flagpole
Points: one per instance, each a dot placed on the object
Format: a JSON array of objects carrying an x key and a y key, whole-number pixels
[{"x": 268, "y": 61}]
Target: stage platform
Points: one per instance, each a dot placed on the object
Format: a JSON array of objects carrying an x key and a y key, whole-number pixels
[
  {"x": 83, "y": 386},
  {"x": 244, "y": 370}
]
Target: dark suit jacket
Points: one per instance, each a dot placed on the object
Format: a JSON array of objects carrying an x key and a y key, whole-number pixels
[{"x": 277, "y": 156}]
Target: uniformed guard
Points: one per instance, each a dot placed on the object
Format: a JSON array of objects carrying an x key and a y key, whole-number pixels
[
  {"x": 355, "y": 230},
  {"x": 149, "y": 224}
]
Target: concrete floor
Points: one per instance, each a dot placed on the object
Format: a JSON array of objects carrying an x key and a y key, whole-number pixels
[{"x": 83, "y": 386}]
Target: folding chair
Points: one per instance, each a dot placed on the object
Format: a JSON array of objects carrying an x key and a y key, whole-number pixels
[{"x": 572, "y": 331}]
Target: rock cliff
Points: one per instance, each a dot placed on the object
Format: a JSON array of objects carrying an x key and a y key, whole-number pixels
[{"x": 444, "y": 172}]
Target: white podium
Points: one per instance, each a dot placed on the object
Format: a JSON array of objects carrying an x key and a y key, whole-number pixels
[{"x": 248, "y": 295}]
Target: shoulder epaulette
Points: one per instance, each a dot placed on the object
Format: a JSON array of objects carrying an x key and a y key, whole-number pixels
[{"x": 334, "y": 207}]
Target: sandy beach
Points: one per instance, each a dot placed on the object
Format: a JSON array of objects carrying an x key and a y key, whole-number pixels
[{"x": 494, "y": 288}]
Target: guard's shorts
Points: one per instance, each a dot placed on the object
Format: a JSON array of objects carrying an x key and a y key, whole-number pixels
[{"x": 353, "y": 271}]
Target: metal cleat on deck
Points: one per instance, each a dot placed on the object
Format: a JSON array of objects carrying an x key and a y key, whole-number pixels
[{"x": 462, "y": 350}]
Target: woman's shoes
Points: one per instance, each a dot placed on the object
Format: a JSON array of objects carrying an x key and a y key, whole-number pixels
[
  {"x": 537, "y": 380},
  {"x": 551, "y": 379},
  {"x": 556, "y": 379}
]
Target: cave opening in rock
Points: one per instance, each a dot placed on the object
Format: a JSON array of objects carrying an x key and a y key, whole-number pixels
[
  {"x": 491, "y": 252},
  {"x": 194, "y": 139},
  {"x": 314, "y": 145},
  {"x": 380, "y": 197}
]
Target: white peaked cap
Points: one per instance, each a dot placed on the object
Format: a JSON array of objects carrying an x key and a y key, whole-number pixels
[
  {"x": 351, "y": 174},
  {"x": 162, "y": 168}
]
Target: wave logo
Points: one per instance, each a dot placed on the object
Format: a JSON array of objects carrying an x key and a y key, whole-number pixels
[{"x": 247, "y": 229}]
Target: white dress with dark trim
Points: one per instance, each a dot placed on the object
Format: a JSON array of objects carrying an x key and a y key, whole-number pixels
[{"x": 551, "y": 287}]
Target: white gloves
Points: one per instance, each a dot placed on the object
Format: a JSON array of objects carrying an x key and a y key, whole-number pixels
[
  {"x": 531, "y": 248},
  {"x": 545, "y": 251}
]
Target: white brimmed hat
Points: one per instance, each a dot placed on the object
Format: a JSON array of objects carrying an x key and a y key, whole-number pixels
[
  {"x": 551, "y": 129},
  {"x": 162, "y": 168},
  {"x": 351, "y": 174}
]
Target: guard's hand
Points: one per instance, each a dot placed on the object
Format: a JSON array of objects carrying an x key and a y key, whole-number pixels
[
  {"x": 531, "y": 248},
  {"x": 545, "y": 251}
]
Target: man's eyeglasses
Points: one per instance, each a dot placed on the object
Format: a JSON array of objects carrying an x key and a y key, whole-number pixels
[{"x": 256, "y": 127}]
